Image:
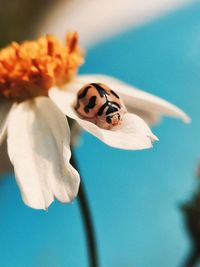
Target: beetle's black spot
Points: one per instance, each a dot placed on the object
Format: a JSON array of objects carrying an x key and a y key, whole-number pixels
[
  {"x": 108, "y": 120},
  {"x": 113, "y": 93},
  {"x": 111, "y": 109},
  {"x": 91, "y": 104},
  {"x": 101, "y": 110},
  {"x": 84, "y": 93},
  {"x": 102, "y": 92},
  {"x": 86, "y": 110}
]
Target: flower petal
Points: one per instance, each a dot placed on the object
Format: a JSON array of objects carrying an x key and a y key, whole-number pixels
[
  {"x": 133, "y": 134},
  {"x": 151, "y": 118},
  {"x": 5, "y": 110},
  {"x": 146, "y": 105},
  {"x": 38, "y": 146}
]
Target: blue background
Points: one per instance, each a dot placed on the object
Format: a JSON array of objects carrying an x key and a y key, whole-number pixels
[{"x": 135, "y": 196}]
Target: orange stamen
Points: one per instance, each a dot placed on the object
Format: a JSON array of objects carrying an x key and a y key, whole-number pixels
[{"x": 30, "y": 69}]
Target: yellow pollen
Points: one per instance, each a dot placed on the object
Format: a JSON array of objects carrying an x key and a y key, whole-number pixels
[{"x": 30, "y": 69}]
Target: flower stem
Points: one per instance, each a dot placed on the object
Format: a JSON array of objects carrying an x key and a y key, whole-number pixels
[
  {"x": 192, "y": 259},
  {"x": 87, "y": 221}
]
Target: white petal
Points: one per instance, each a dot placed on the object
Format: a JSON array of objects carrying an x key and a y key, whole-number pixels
[
  {"x": 151, "y": 118},
  {"x": 38, "y": 146},
  {"x": 148, "y": 106},
  {"x": 133, "y": 134},
  {"x": 5, "y": 110}
]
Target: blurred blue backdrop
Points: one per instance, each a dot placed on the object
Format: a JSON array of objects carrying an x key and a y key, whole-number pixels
[{"x": 135, "y": 197}]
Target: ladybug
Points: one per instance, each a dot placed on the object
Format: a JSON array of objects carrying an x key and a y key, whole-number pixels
[{"x": 98, "y": 103}]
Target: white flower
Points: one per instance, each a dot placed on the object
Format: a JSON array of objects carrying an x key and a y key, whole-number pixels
[
  {"x": 39, "y": 136},
  {"x": 33, "y": 117}
]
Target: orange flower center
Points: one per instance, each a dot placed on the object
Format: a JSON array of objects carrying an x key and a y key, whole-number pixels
[{"x": 30, "y": 69}]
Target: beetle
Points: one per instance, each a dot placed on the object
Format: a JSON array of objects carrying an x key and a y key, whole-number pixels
[{"x": 98, "y": 103}]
